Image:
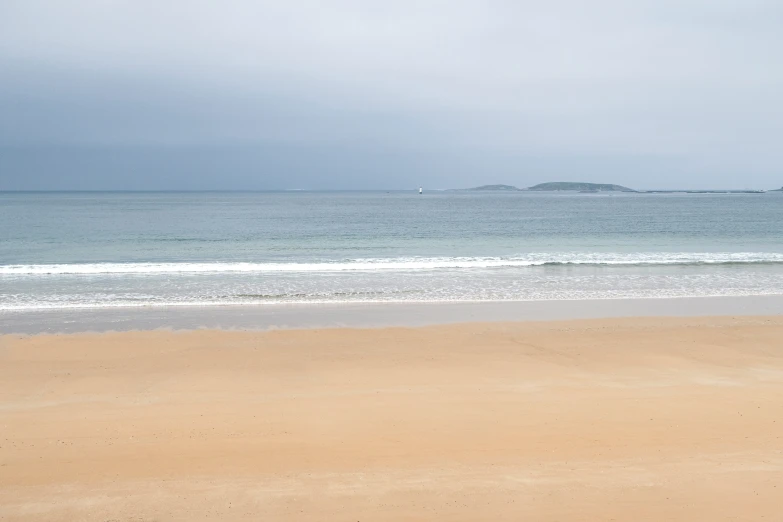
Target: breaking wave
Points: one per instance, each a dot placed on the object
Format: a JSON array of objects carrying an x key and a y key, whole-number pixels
[{"x": 403, "y": 264}]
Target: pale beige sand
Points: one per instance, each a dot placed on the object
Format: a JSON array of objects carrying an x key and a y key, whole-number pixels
[{"x": 638, "y": 419}]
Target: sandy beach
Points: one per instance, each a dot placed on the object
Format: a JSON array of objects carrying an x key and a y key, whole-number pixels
[{"x": 676, "y": 419}]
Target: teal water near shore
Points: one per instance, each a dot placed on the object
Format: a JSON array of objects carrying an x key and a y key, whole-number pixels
[{"x": 87, "y": 250}]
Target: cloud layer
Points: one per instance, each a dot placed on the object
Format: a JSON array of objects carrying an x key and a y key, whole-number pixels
[{"x": 310, "y": 94}]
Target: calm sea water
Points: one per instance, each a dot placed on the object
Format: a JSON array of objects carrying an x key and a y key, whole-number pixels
[{"x": 70, "y": 250}]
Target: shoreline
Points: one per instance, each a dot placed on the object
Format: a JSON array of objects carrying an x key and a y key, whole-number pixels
[
  {"x": 373, "y": 315},
  {"x": 629, "y": 418}
]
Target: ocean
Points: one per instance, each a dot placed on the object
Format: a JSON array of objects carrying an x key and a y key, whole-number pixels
[{"x": 105, "y": 250}]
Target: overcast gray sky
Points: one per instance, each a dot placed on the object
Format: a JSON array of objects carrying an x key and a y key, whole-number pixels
[{"x": 241, "y": 94}]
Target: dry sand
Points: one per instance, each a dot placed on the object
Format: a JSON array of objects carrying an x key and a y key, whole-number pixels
[{"x": 625, "y": 419}]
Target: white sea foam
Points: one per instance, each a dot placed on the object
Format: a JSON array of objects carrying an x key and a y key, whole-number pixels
[
  {"x": 584, "y": 296},
  {"x": 402, "y": 264}
]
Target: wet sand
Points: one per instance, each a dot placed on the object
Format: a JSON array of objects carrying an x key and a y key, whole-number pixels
[
  {"x": 624, "y": 419},
  {"x": 299, "y": 316}
]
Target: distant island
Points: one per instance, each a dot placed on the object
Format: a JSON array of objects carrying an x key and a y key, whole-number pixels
[
  {"x": 558, "y": 186},
  {"x": 581, "y": 187},
  {"x": 592, "y": 188}
]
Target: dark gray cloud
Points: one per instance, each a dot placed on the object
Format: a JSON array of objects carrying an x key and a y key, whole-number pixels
[{"x": 355, "y": 94}]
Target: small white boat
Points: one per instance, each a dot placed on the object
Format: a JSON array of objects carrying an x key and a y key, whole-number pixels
[{"x": 420, "y": 190}]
